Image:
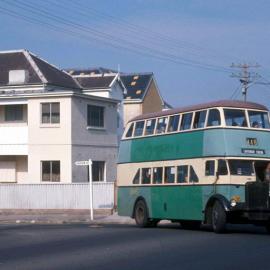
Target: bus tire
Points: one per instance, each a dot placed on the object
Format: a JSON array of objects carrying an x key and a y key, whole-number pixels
[
  {"x": 267, "y": 226},
  {"x": 141, "y": 214},
  {"x": 218, "y": 218},
  {"x": 190, "y": 224}
]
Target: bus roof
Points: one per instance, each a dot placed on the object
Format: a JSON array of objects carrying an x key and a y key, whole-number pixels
[{"x": 219, "y": 103}]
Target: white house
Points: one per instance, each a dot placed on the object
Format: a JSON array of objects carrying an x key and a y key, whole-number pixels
[{"x": 48, "y": 121}]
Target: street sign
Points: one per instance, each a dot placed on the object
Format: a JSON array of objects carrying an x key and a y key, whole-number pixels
[
  {"x": 89, "y": 164},
  {"x": 82, "y": 163}
]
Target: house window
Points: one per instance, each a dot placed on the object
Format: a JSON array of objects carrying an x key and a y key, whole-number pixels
[
  {"x": 98, "y": 169},
  {"x": 50, "y": 113},
  {"x": 95, "y": 116},
  {"x": 13, "y": 113},
  {"x": 50, "y": 171}
]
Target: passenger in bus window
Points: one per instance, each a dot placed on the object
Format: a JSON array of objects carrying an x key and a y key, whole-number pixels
[{"x": 267, "y": 173}]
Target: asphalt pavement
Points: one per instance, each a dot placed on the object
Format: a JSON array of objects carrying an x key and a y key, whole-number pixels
[{"x": 115, "y": 246}]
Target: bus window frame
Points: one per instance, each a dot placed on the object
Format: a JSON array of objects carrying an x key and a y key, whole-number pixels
[
  {"x": 178, "y": 126},
  {"x": 261, "y": 111},
  {"x": 127, "y": 129},
  {"x": 154, "y": 130},
  {"x": 191, "y": 122},
  {"x": 206, "y": 118}
]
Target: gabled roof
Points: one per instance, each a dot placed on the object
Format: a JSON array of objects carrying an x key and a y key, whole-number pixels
[
  {"x": 90, "y": 71},
  {"x": 96, "y": 82},
  {"x": 220, "y": 103},
  {"x": 136, "y": 84},
  {"x": 39, "y": 71}
]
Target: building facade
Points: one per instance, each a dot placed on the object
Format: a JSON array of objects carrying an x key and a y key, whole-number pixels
[
  {"x": 47, "y": 123},
  {"x": 139, "y": 91}
]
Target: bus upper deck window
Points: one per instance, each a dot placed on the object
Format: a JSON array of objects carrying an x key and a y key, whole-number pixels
[
  {"x": 173, "y": 123},
  {"x": 161, "y": 125},
  {"x": 139, "y": 128},
  {"x": 169, "y": 174},
  {"x": 146, "y": 176},
  {"x": 213, "y": 118},
  {"x": 258, "y": 119},
  {"x": 222, "y": 167},
  {"x": 209, "y": 168},
  {"x": 150, "y": 127},
  {"x": 182, "y": 174},
  {"x": 130, "y": 131},
  {"x": 186, "y": 121},
  {"x": 157, "y": 175},
  {"x": 235, "y": 118},
  {"x": 199, "y": 119}
]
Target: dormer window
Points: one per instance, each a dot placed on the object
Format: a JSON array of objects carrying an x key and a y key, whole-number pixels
[{"x": 19, "y": 76}]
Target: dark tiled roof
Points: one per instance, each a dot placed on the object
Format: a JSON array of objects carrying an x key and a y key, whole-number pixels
[
  {"x": 95, "y": 82},
  {"x": 136, "y": 84},
  {"x": 16, "y": 61},
  {"x": 23, "y": 60},
  {"x": 53, "y": 75},
  {"x": 220, "y": 103}
]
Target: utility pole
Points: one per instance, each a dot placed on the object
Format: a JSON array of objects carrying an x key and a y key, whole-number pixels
[{"x": 245, "y": 77}]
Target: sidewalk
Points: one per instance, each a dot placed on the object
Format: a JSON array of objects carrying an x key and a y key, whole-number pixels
[{"x": 61, "y": 217}]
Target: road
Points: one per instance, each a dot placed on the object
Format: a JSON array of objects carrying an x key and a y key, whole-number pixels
[{"x": 127, "y": 247}]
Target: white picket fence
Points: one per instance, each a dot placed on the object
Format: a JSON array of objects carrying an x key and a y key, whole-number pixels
[{"x": 56, "y": 196}]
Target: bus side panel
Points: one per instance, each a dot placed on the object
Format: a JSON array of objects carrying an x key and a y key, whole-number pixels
[
  {"x": 177, "y": 202},
  {"x": 166, "y": 147},
  {"x": 127, "y": 197}
]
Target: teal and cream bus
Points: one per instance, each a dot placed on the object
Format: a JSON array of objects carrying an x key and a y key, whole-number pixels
[{"x": 208, "y": 163}]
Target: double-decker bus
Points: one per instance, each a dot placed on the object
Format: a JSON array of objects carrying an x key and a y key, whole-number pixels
[{"x": 208, "y": 163}]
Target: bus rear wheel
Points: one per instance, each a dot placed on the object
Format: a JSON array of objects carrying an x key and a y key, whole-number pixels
[
  {"x": 218, "y": 218},
  {"x": 141, "y": 215}
]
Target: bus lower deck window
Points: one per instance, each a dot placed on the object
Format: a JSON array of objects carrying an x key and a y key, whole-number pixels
[
  {"x": 169, "y": 174},
  {"x": 157, "y": 175},
  {"x": 209, "y": 168},
  {"x": 222, "y": 167},
  {"x": 182, "y": 174},
  {"x": 136, "y": 179},
  {"x": 146, "y": 176},
  {"x": 193, "y": 176},
  {"x": 241, "y": 167}
]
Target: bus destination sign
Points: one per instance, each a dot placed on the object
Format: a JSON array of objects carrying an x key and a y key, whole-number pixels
[{"x": 253, "y": 151}]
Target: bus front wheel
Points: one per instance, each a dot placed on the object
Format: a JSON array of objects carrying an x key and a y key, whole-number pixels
[{"x": 218, "y": 218}]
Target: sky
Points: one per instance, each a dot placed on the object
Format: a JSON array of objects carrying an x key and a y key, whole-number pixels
[{"x": 189, "y": 45}]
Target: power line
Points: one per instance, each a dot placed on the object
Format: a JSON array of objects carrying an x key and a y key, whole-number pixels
[
  {"x": 105, "y": 38},
  {"x": 141, "y": 32}
]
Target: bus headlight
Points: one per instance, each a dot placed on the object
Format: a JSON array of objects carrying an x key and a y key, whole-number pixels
[{"x": 234, "y": 200}]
